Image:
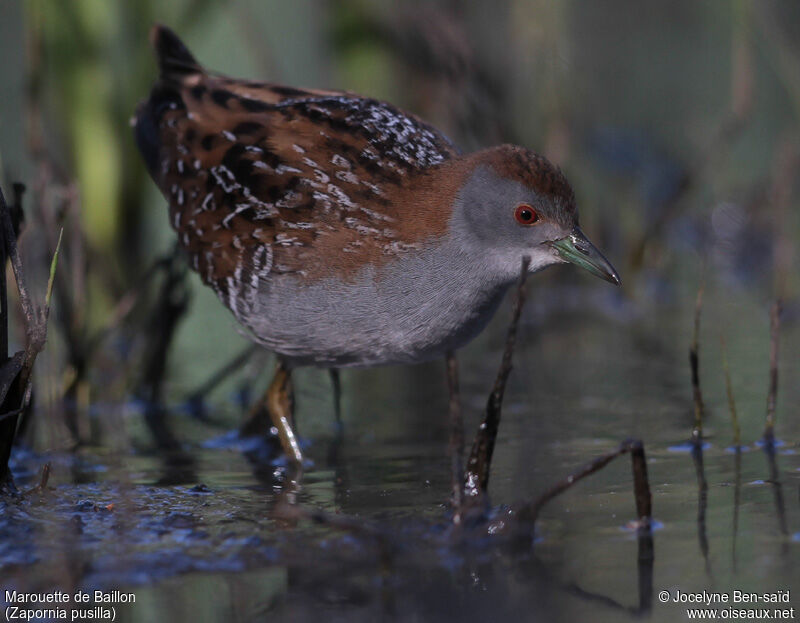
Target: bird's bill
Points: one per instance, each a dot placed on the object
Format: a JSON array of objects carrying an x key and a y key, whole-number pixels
[{"x": 577, "y": 249}]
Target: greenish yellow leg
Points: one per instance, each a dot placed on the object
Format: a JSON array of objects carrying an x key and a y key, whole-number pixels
[{"x": 280, "y": 412}]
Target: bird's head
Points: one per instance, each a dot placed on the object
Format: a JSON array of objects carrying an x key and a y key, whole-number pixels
[{"x": 513, "y": 203}]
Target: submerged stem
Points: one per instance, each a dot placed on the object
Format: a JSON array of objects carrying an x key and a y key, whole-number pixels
[
  {"x": 772, "y": 395},
  {"x": 737, "y": 435},
  {"x": 694, "y": 363},
  {"x": 476, "y": 478}
]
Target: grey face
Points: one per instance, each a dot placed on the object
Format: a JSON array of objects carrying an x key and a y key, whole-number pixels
[{"x": 504, "y": 220}]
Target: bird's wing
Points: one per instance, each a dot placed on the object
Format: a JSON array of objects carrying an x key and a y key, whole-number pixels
[{"x": 260, "y": 177}]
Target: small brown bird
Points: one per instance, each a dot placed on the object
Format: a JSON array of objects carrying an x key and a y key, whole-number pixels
[{"x": 339, "y": 230}]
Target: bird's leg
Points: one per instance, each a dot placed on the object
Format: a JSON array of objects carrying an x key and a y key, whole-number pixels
[
  {"x": 280, "y": 412},
  {"x": 337, "y": 397},
  {"x": 258, "y": 420},
  {"x": 456, "y": 437},
  {"x": 336, "y": 443},
  {"x": 291, "y": 402}
]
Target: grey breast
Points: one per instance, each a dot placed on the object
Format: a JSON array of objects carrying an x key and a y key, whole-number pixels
[{"x": 411, "y": 309}]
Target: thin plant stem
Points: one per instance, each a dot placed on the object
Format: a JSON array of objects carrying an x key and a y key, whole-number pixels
[{"x": 737, "y": 434}]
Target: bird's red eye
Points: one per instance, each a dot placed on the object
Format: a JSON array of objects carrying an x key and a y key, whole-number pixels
[{"x": 526, "y": 215}]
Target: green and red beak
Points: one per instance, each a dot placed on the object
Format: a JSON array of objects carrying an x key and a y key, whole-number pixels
[{"x": 576, "y": 249}]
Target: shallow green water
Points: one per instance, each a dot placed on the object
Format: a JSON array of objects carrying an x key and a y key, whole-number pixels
[{"x": 198, "y": 539}]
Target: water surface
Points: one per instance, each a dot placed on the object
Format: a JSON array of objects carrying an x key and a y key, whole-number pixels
[{"x": 195, "y": 537}]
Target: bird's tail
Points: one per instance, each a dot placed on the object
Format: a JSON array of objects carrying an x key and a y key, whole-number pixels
[
  {"x": 174, "y": 58},
  {"x": 176, "y": 64}
]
